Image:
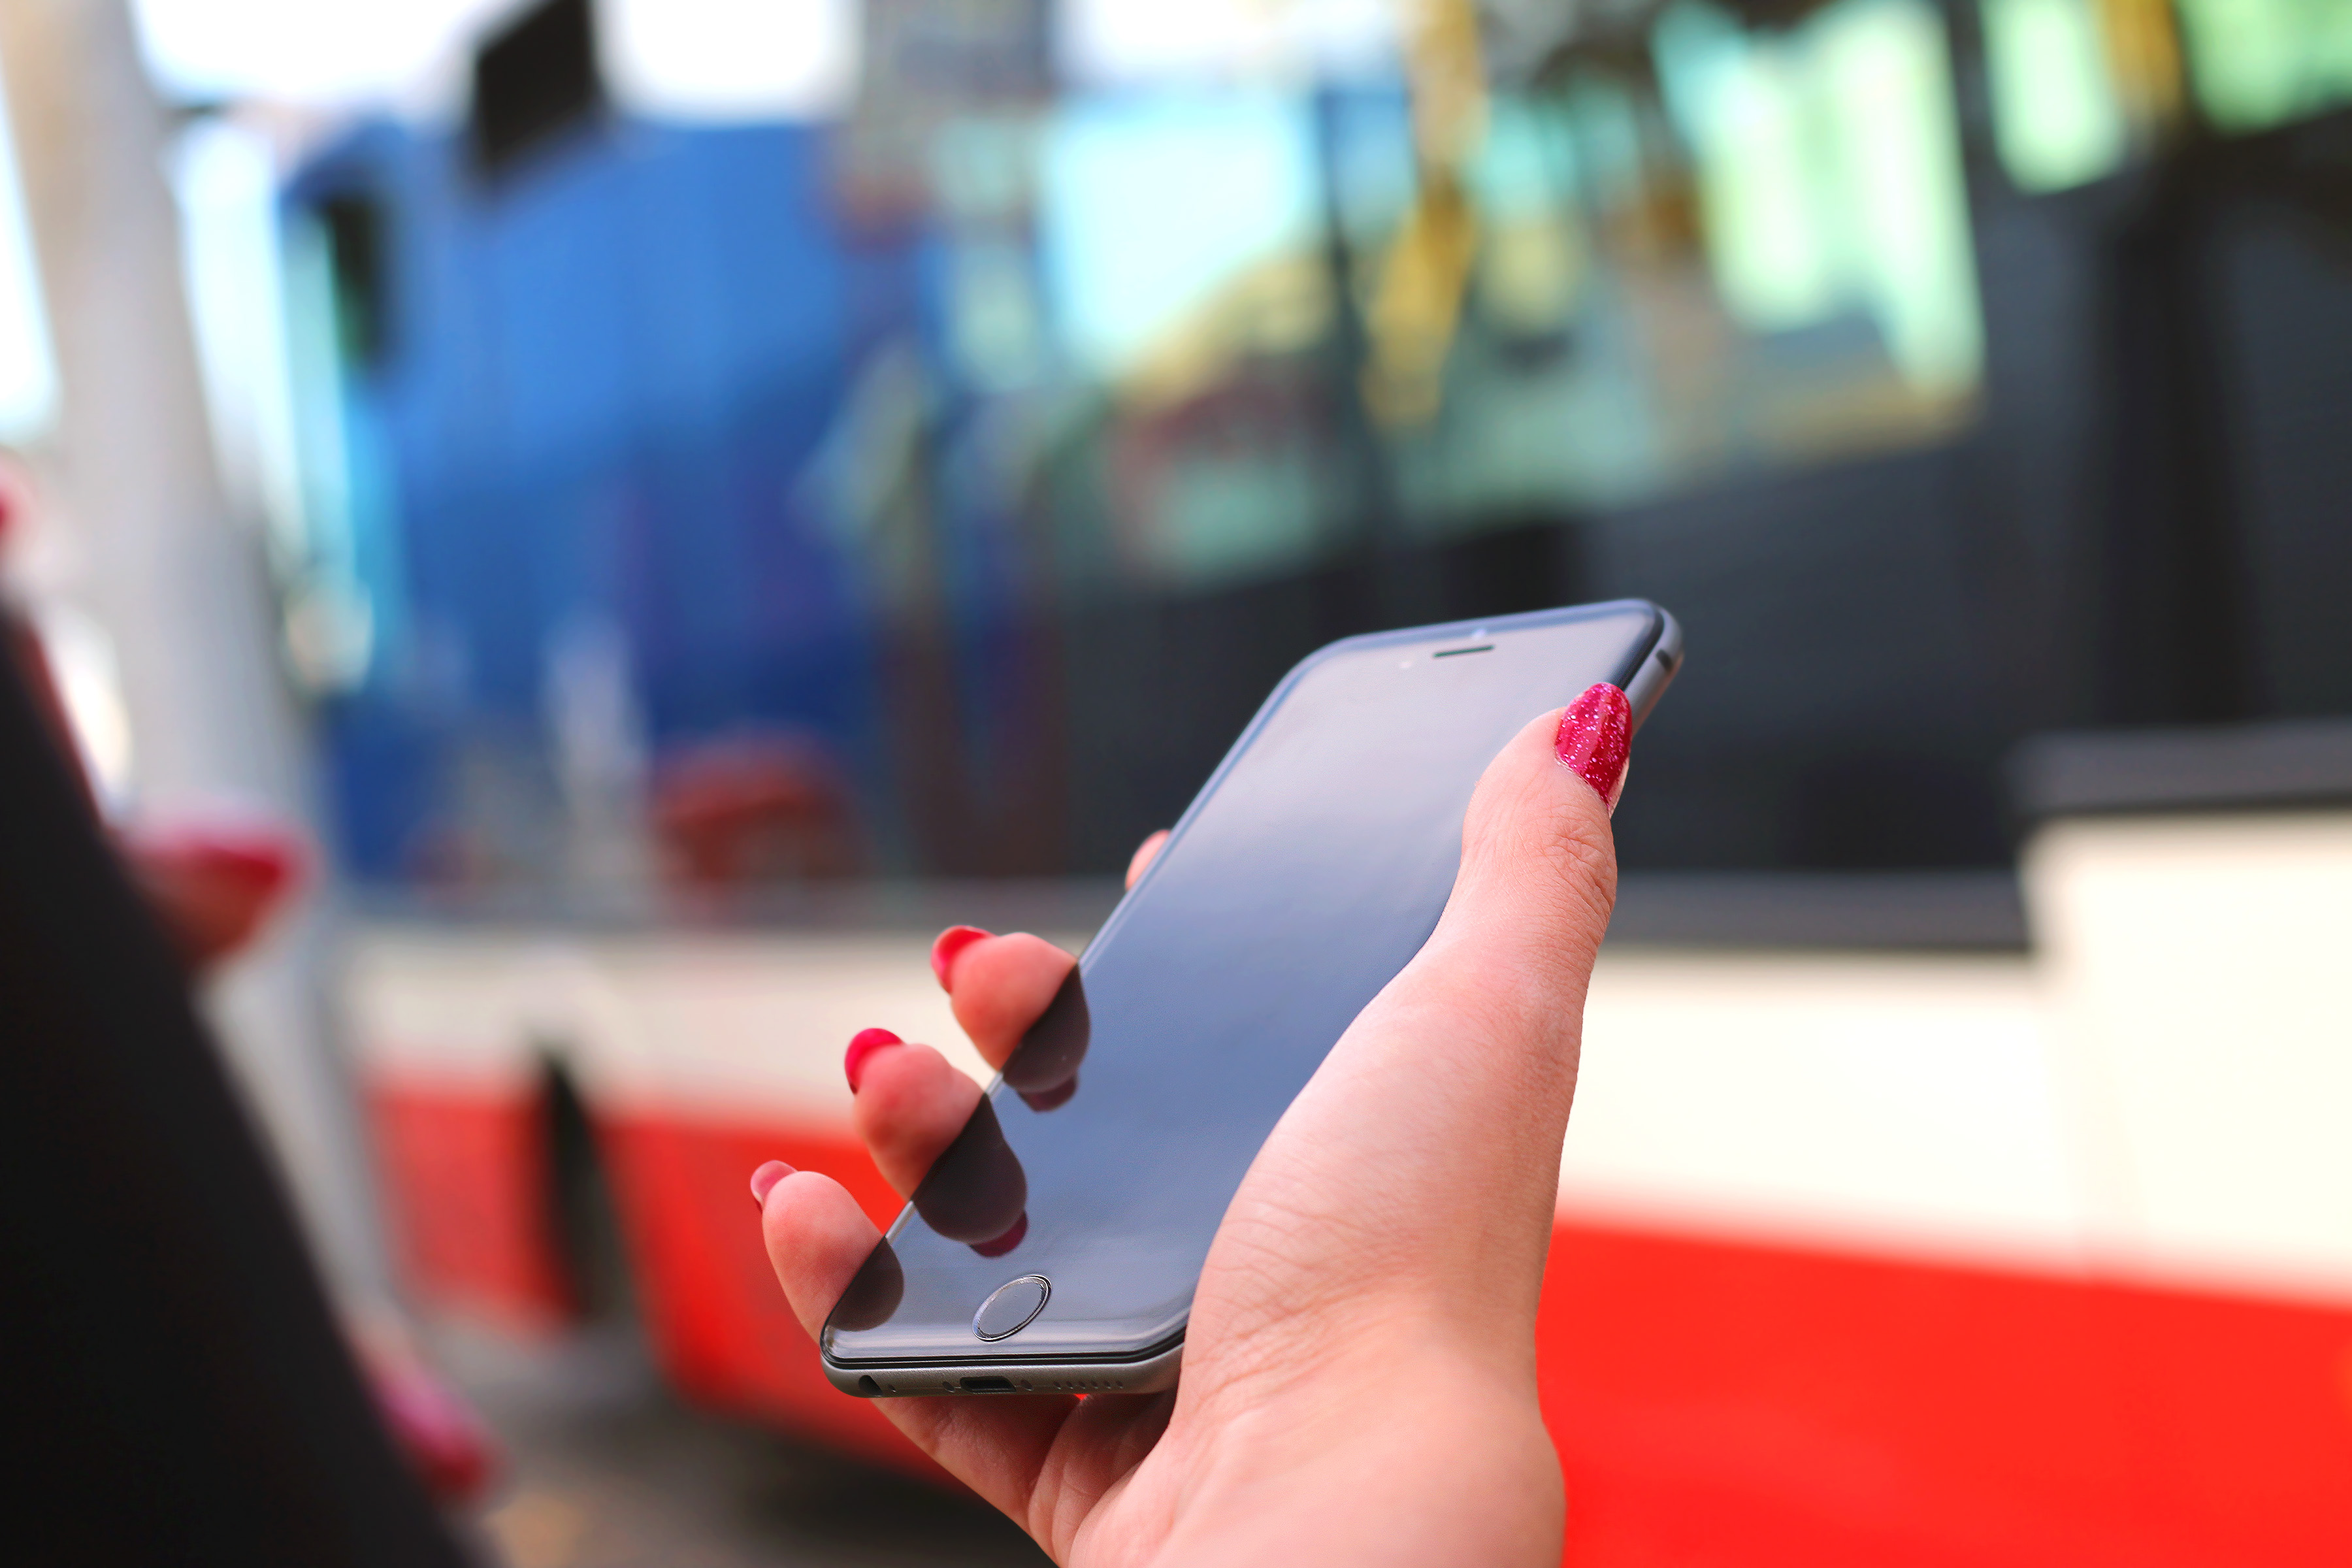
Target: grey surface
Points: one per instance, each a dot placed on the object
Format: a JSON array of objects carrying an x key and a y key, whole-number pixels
[
  {"x": 1972, "y": 910},
  {"x": 605, "y": 1468},
  {"x": 2216, "y": 767},
  {"x": 851, "y": 904}
]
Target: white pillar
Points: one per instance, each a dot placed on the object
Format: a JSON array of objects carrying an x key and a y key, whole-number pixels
[{"x": 175, "y": 580}]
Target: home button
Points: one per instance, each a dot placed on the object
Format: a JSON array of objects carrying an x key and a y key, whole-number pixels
[{"x": 1011, "y": 1308}]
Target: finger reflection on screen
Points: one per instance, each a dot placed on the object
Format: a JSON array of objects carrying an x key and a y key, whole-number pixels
[
  {"x": 874, "y": 1290},
  {"x": 976, "y": 1190},
  {"x": 1045, "y": 1070}
]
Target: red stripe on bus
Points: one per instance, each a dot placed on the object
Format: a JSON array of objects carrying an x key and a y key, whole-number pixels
[{"x": 1713, "y": 1401}]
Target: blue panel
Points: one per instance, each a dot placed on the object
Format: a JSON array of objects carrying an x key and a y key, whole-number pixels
[{"x": 608, "y": 377}]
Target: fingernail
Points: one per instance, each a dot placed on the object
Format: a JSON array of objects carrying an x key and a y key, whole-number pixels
[
  {"x": 764, "y": 1180},
  {"x": 862, "y": 1045},
  {"x": 1052, "y": 1098},
  {"x": 1595, "y": 735},
  {"x": 952, "y": 940},
  {"x": 1005, "y": 1243}
]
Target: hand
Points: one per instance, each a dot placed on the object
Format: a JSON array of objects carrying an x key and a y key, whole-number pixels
[{"x": 1358, "y": 1381}]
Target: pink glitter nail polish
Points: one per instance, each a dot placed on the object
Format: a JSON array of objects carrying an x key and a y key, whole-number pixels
[
  {"x": 1595, "y": 735},
  {"x": 862, "y": 1045}
]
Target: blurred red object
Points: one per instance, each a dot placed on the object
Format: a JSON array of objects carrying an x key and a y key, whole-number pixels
[
  {"x": 215, "y": 884},
  {"x": 436, "y": 1430},
  {"x": 444, "y": 1440},
  {"x": 16, "y": 497},
  {"x": 751, "y": 809}
]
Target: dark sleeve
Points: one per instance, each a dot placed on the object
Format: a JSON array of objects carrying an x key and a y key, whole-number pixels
[{"x": 173, "y": 1388}]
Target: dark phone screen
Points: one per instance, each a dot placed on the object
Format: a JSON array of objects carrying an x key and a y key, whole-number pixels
[{"x": 1301, "y": 881}]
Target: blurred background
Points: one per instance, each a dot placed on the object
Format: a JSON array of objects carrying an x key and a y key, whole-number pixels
[{"x": 657, "y": 507}]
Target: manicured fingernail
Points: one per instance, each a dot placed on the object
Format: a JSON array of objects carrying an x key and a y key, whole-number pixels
[
  {"x": 1005, "y": 1243},
  {"x": 1595, "y": 735},
  {"x": 952, "y": 940},
  {"x": 764, "y": 1180},
  {"x": 862, "y": 1045}
]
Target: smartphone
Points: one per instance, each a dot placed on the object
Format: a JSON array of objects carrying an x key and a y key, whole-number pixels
[{"x": 1056, "y": 1244}]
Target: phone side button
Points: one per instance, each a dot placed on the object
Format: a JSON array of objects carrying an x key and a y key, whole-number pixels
[{"x": 1011, "y": 1307}]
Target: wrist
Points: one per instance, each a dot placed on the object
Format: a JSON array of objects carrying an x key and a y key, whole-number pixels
[{"x": 1397, "y": 1449}]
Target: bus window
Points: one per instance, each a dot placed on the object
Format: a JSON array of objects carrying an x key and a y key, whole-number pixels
[
  {"x": 2058, "y": 119},
  {"x": 1830, "y": 177},
  {"x": 2258, "y": 63}
]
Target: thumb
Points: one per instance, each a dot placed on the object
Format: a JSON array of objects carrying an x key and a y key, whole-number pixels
[
  {"x": 1539, "y": 875},
  {"x": 1426, "y": 1147},
  {"x": 1491, "y": 1010}
]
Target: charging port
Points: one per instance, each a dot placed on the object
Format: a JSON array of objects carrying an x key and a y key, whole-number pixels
[{"x": 988, "y": 1385}]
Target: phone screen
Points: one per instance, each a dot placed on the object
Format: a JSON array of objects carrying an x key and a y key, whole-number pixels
[{"x": 1301, "y": 881}]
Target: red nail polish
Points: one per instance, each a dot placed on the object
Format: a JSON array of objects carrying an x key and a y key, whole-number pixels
[
  {"x": 952, "y": 940},
  {"x": 862, "y": 1045},
  {"x": 1052, "y": 1098},
  {"x": 1595, "y": 735},
  {"x": 1005, "y": 1243},
  {"x": 764, "y": 1180}
]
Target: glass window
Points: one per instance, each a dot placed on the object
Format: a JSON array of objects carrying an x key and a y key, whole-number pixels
[
  {"x": 2056, "y": 117},
  {"x": 1155, "y": 208},
  {"x": 2258, "y": 63},
  {"x": 1830, "y": 177}
]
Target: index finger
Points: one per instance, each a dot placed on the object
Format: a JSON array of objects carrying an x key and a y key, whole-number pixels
[{"x": 1001, "y": 986}]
